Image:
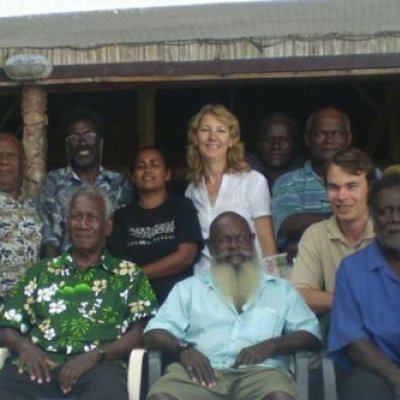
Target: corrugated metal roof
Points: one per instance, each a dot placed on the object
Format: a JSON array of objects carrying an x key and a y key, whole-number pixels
[{"x": 266, "y": 19}]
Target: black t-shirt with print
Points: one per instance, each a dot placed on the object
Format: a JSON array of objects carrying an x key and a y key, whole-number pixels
[{"x": 146, "y": 235}]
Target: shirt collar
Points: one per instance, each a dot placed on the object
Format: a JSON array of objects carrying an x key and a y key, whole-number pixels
[
  {"x": 72, "y": 175},
  {"x": 310, "y": 171},
  {"x": 66, "y": 260},
  {"x": 375, "y": 259},
  {"x": 334, "y": 232},
  {"x": 23, "y": 196}
]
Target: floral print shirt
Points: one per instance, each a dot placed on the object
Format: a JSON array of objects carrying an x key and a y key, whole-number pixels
[
  {"x": 20, "y": 236},
  {"x": 67, "y": 311}
]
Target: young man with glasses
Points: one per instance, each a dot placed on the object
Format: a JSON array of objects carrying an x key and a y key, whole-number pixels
[{"x": 83, "y": 129}]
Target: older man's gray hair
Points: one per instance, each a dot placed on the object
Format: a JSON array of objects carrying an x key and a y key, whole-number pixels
[
  {"x": 311, "y": 119},
  {"x": 92, "y": 190}
]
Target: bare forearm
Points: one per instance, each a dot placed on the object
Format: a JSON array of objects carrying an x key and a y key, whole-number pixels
[
  {"x": 294, "y": 225},
  {"x": 286, "y": 344},
  {"x": 13, "y": 340},
  {"x": 265, "y": 235},
  {"x": 174, "y": 263},
  {"x": 318, "y": 300},
  {"x": 367, "y": 355},
  {"x": 121, "y": 348},
  {"x": 163, "y": 340}
]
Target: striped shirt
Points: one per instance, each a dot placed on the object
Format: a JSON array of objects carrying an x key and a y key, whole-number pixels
[{"x": 299, "y": 191}]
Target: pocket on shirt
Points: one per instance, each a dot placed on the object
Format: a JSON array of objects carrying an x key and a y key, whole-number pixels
[{"x": 264, "y": 323}]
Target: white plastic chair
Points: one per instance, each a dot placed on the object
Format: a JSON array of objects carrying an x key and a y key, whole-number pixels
[
  {"x": 135, "y": 364},
  {"x": 145, "y": 368},
  {"x": 4, "y": 353}
]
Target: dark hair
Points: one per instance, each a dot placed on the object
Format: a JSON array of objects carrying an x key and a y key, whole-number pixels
[
  {"x": 386, "y": 181},
  {"x": 163, "y": 154},
  {"x": 82, "y": 113},
  {"x": 278, "y": 118},
  {"x": 354, "y": 162}
]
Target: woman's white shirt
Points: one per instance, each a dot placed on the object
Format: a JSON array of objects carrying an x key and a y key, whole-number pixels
[{"x": 245, "y": 193}]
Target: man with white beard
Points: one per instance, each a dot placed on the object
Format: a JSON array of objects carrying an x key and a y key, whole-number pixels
[{"x": 230, "y": 331}]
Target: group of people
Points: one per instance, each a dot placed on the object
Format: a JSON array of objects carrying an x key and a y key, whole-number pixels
[{"x": 97, "y": 263}]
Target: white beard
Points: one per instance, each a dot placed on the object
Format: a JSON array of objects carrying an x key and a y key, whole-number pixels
[{"x": 237, "y": 284}]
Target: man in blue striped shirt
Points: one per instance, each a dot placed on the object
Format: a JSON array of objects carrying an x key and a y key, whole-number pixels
[{"x": 299, "y": 197}]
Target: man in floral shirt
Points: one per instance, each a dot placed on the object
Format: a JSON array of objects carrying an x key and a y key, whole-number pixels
[
  {"x": 71, "y": 320},
  {"x": 20, "y": 225}
]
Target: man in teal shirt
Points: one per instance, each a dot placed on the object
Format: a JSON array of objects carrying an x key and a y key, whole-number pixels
[
  {"x": 230, "y": 331},
  {"x": 71, "y": 320},
  {"x": 299, "y": 196}
]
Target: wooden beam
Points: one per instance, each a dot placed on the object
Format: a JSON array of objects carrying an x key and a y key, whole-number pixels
[
  {"x": 277, "y": 68},
  {"x": 146, "y": 117}
]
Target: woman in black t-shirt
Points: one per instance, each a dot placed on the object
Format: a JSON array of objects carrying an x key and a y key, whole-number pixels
[{"x": 159, "y": 232}]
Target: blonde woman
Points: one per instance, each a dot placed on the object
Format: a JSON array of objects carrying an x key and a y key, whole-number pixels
[{"x": 222, "y": 181}]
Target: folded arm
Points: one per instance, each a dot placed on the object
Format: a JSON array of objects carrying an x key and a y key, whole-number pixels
[{"x": 173, "y": 263}]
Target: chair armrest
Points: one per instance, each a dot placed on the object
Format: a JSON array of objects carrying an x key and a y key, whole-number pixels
[
  {"x": 301, "y": 373},
  {"x": 136, "y": 360},
  {"x": 329, "y": 377},
  {"x": 4, "y": 353},
  {"x": 155, "y": 366},
  {"x": 142, "y": 361}
]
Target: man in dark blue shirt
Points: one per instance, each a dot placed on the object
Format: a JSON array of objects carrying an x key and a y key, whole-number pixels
[{"x": 364, "y": 337}]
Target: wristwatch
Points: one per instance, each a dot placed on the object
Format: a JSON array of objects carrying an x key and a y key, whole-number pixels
[
  {"x": 102, "y": 354},
  {"x": 183, "y": 345}
]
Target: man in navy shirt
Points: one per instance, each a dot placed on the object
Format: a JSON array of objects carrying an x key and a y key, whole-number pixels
[{"x": 364, "y": 337}]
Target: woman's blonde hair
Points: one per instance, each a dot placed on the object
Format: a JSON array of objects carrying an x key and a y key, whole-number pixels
[{"x": 235, "y": 161}]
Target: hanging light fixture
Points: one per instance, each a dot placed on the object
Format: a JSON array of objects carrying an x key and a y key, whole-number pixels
[{"x": 27, "y": 67}]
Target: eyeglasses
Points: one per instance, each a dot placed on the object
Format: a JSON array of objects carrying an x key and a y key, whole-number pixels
[{"x": 88, "y": 137}]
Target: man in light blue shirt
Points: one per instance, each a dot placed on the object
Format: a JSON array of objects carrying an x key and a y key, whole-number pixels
[{"x": 231, "y": 330}]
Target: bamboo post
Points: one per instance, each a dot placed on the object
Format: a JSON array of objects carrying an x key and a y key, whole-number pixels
[
  {"x": 34, "y": 105},
  {"x": 146, "y": 117}
]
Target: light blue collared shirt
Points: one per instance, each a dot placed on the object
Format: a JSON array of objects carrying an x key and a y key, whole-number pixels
[{"x": 196, "y": 312}]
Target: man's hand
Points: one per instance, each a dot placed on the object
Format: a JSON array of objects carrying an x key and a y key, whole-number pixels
[
  {"x": 198, "y": 367},
  {"x": 34, "y": 360},
  {"x": 75, "y": 368},
  {"x": 255, "y": 354}
]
